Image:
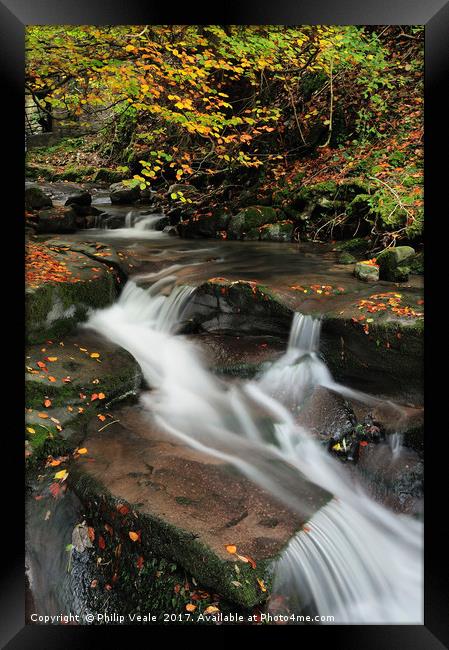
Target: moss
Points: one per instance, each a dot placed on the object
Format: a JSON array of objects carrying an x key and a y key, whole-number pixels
[
  {"x": 74, "y": 300},
  {"x": 178, "y": 546},
  {"x": 356, "y": 246},
  {"x": 251, "y": 218},
  {"x": 346, "y": 258},
  {"x": 109, "y": 176}
]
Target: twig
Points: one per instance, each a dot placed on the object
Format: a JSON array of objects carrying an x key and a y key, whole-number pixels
[{"x": 108, "y": 424}]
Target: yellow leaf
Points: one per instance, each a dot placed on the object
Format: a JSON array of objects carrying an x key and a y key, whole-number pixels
[
  {"x": 94, "y": 355},
  {"x": 83, "y": 450},
  {"x": 42, "y": 415},
  {"x": 231, "y": 549},
  {"x": 261, "y": 584},
  {"x": 190, "y": 607},
  {"x": 62, "y": 475},
  {"x": 52, "y": 358},
  {"x": 211, "y": 609},
  {"x": 31, "y": 430}
]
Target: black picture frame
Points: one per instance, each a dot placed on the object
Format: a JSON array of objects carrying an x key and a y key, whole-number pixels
[{"x": 14, "y": 16}]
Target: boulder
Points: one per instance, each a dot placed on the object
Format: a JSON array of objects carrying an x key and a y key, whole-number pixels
[
  {"x": 220, "y": 305},
  {"x": 393, "y": 263},
  {"x": 211, "y": 224},
  {"x": 346, "y": 258},
  {"x": 36, "y": 199},
  {"x": 281, "y": 231},
  {"x": 78, "y": 277},
  {"x": 57, "y": 220},
  {"x": 251, "y": 218},
  {"x": 172, "y": 231},
  {"x": 120, "y": 193},
  {"x": 366, "y": 272},
  {"x": 81, "y": 198}
]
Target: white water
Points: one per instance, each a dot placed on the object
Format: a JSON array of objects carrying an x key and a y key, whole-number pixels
[
  {"x": 138, "y": 226},
  {"x": 359, "y": 562}
]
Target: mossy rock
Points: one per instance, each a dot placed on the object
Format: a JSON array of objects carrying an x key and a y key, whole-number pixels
[
  {"x": 366, "y": 272},
  {"x": 385, "y": 359},
  {"x": 36, "y": 199},
  {"x": 57, "y": 220},
  {"x": 346, "y": 258},
  {"x": 212, "y": 224},
  {"x": 105, "y": 175},
  {"x": 356, "y": 246},
  {"x": 54, "y": 308},
  {"x": 222, "y": 305},
  {"x": 416, "y": 264},
  {"x": 251, "y": 218},
  {"x": 281, "y": 231},
  {"x": 123, "y": 193},
  {"x": 393, "y": 263}
]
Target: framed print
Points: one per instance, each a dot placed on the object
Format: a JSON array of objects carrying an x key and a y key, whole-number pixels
[{"x": 225, "y": 336}]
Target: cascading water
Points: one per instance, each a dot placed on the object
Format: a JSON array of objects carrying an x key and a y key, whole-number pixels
[
  {"x": 137, "y": 225},
  {"x": 358, "y": 561}
]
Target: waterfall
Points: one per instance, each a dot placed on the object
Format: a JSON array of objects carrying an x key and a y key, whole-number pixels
[
  {"x": 137, "y": 226},
  {"x": 357, "y": 560}
]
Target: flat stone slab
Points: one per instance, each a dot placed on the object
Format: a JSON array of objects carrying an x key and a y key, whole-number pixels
[{"x": 194, "y": 505}]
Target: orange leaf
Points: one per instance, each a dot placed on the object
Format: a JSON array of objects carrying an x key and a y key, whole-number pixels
[
  {"x": 101, "y": 417},
  {"x": 190, "y": 607},
  {"x": 101, "y": 395},
  {"x": 42, "y": 415},
  {"x": 47, "y": 403},
  {"x": 231, "y": 549},
  {"x": 133, "y": 536}
]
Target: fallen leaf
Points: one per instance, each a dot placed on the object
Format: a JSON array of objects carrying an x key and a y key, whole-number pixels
[
  {"x": 101, "y": 417},
  {"x": 101, "y": 395},
  {"x": 261, "y": 584},
  {"x": 80, "y": 537},
  {"x": 211, "y": 609},
  {"x": 190, "y": 607},
  {"x": 31, "y": 430},
  {"x": 42, "y": 415},
  {"x": 231, "y": 549},
  {"x": 140, "y": 562},
  {"x": 62, "y": 475},
  {"x": 101, "y": 542},
  {"x": 83, "y": 450},
  {"x": 47, "y": 403},
  {"x": 51, "y": 358},
  {"x": 94, "y": 355},
  {"x": 133, "y": 536}
]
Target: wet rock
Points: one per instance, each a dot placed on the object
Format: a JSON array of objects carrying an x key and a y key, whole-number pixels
[
  {"x": 380, "y": 361},
  {"x": 57, "y": 220},
  {"x": 189, "y": 506},
  {"x": 397, "y": 479},
  {"x": 121, "y": 193},
  {"x": 222, "y": 305},
  {"x": 210, "y": 224},
  {"x": 115, "y": 376},
  {"x": 81, "y": 198},
  {"x": 239, "y": 356},
  {"x": 172, "y": 231},
  {"x": 366, "y": 272},
  {"x": 327, "y": 415},
  {"x": 281, "y": 231},
  {"x": 94, "y": 277},
  {"x": 393, "y": 263},
  {"x": 36, "y": 199},
  {"x": 251, "y": 218}
]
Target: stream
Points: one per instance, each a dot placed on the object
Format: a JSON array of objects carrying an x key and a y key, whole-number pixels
[{"x": 357, "y": 560}]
